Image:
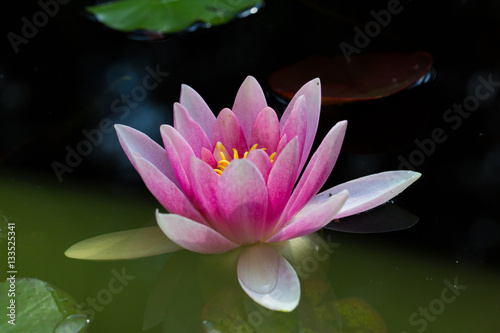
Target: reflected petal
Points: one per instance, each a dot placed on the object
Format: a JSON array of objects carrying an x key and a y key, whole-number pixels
[
  {"x": 129, "y": 244},
  {"x": 253, "y": 262}
]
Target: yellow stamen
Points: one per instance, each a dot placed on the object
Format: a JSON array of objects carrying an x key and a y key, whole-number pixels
[
  {"x": 235, "y": 156},
  {"x": 271, "y": 157},
  {"x": 222, "y": 157},
  {"x": 223, "y": 163}
]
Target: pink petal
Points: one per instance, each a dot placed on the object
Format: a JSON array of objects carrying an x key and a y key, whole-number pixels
[
  {"x": 266, "y": 130},
  {"x": 204, "y": 181},
  {"x": 312, "y": 217},
  {"x": 208, "y": 157},
  {"x": 312, "y": 91},
  {"x": 296, "y": 125},
  {"x": 282, "y": 179},
  {"x": 190, "y": 130},
  {"x": 178, "y": 153},
  {"x": 249, "y": 101},
  {"x": 133, "y": 141},
  {"x": 198, "y": 109},
  {"x": 167, "y": 193},
  {"x": 193, "y": 236},
  {"x": 227, "y": 130},
  {"x": 261, "y": 160},
  {"x": 370, "y": 191},
  {"x": 317, "y": 171},
  {"x": 268, "y": 278},
  {"x": 281, "y": 145},
  {"x": 242, "y": 197}
]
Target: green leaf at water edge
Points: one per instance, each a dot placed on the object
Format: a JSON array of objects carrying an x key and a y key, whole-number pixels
[
  {"x": 40, "y": 307},
  {"x": 168, "y": 16}
]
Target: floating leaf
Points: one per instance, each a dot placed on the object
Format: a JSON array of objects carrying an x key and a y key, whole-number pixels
[
  {"x": 386, "y": 218},
  {"x": 129, "y": 244},
  {"x": 41, "y": 307},
  {"x": 170, "y": 16},
  {"x": 366, "y": 77}
]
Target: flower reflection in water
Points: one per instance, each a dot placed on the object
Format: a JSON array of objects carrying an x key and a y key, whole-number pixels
[{"x": 186, "y": 298}]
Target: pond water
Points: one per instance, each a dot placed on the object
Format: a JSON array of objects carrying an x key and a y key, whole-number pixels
[{"x": 68, "y": 83}]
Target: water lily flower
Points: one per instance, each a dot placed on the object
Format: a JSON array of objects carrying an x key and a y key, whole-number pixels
[{"x": 233, "y": 181}]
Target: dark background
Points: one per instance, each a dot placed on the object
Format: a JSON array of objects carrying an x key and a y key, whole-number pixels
[{"x": 65, "y": 79}]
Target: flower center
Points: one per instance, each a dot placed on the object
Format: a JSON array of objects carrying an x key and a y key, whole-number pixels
[{"x": 223, "y": 163}]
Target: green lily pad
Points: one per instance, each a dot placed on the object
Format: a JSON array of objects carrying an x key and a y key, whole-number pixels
[
  {"x": 169, "y": 16},
  {"x": 39, "y": 307}
]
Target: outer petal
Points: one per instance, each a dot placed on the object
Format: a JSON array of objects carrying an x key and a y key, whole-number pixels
[
  {"x": 314, "y": 216},
  {"x": 312, "y": 91},
  {"x": 281, "y": 179},
  {"x": 192, "y": 235},
  {"x": 242, "y": 197},
  {"x": 178, "y": 153},
  {"x": 128, "y": 244},
  {"x": 268, "y": 278},
  {"x": 228, "y": 131},
  {"x": 190, "y": 130},
  {"x": 266, "y": 130},
  {"x": 370, "y": 191},
  {"x": 133, "y": 141},
  {"x": 249, "y": 101},
  {"x": 198, "y": 109},
  {"x": 317, "y": 171},
  {"x": 296, "y": 126},
  {"x": 167, "y": 193}
]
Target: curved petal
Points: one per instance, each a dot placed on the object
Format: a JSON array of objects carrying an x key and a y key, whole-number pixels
[
  {"x": 193, "y": 236},
  {"x": 242, "y": 198},
  {"x": 249, "y": 101},
  {"x": 317, "y": 171},
  {"x": 165, "y": 191},
  {"x": 314, "y": 216},
  {"x": 128, "y": 244},
  {"x": 261, "y": 160},
  {"x": 178, "y": 152},
  {"x": 268, "y": 278},
  {"x": 282, "y": 179},
  {"x": 133, "y": 141},
  {"x": 227, "y": 130},
  {"x": 296, "y": 126},
  {"x": 198, "y": 109},
  {"x": 204, "y": 181},
  {"x": 370, "y": 191},
  {"x": 266, "y": 131},
  {"x": 312, "y": 91},
  {"x": 190, "y": 130}
]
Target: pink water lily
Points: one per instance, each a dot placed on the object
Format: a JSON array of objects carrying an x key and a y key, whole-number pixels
[{"x": 233, "y": 180}]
